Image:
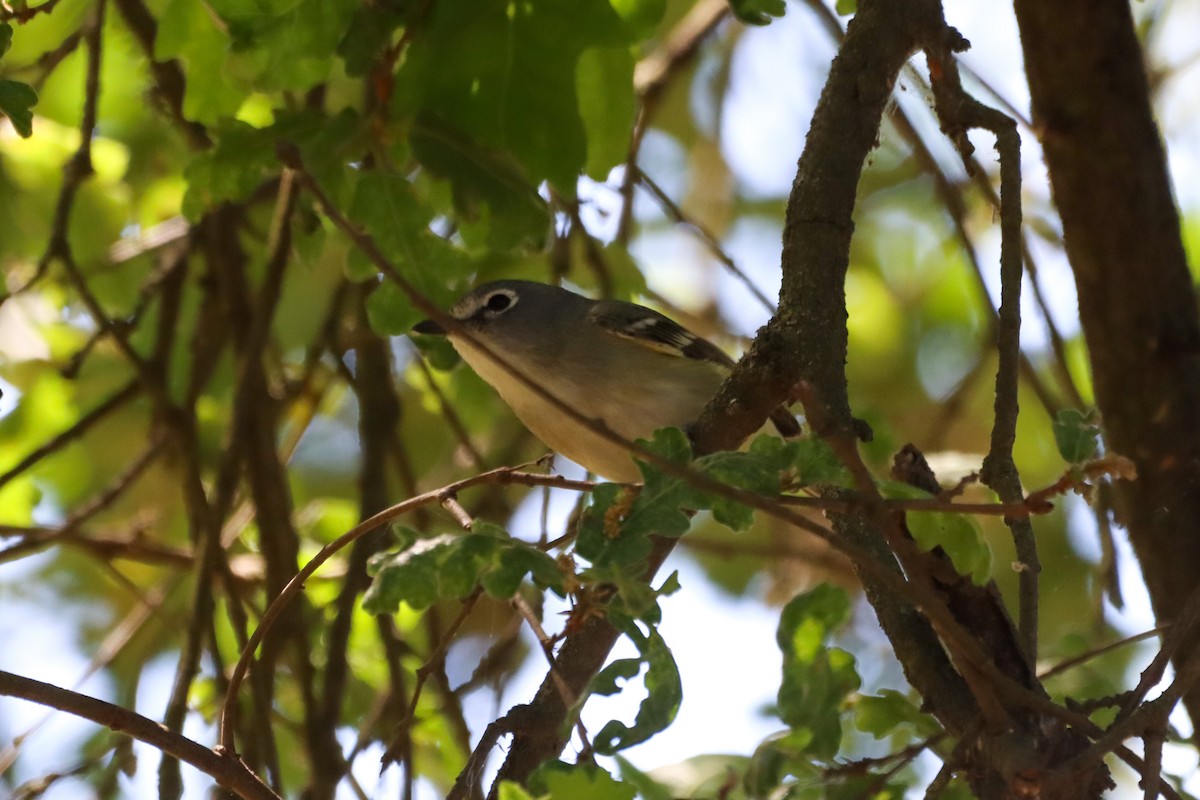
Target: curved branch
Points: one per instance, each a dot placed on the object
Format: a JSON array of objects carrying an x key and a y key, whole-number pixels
[{"x": 222, "y": 767}]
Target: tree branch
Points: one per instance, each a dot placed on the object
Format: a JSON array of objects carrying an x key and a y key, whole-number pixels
[
  {"x": 225, "y": 769},
  {"x": 1091, "y": 106}
]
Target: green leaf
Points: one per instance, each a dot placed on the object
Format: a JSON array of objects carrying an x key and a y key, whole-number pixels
[
  {"x": 647, "y": 788},
  {"x": 242, "y": 160},
  {"x": 658, "y": 508},
  {"x": 664, "y": 693},
  {"x": 410, "y": 576},
  {"x": 604, "y": 81},
  {"x": 466, "y": 563},
  {"x": 503, "y": 74},
  {"x": 284, "y": 44},
  {"x": 16, "y": 102},
  {"x": 810, "y": 461},
  {"x": 623, "y": 669},
  {"x": 449, "y": 566},
  {"x": 187, "y": 31},
  {"x": 1076, "y": 434},
  {"x": 390, "y": 312},
  {"x": 758, "y": 12},
  {"x": 634, "y": 597},
  {"x": 358, "y": 268},
  {"x": 387, "y": 207},
  {"x": 846, "y": 8},
  {"x": 6, "y": 34},
  {"x": 496, "y": 203},
  {"x": 816, "y": 678},
  {"x": 513, "y": 791},
  {"x": 641, "y": 15},
  {"x": 756, "y": 471},
  {"x": 787, "y": 753},
  {"x": 515, "y": 562},
  {"x": 880, "y": 715},
  {"x": 616, "y": 527},
  {"x": 370, "y": 32},
  {"x": 563, "y": 781},
  {"x": 959, "y": 535},
  {"x": 603, "y": 539},
  {"x": 438, "y": 351},
  {"x": 328, "y": 147},
  {"x": 239, "y": 13}
]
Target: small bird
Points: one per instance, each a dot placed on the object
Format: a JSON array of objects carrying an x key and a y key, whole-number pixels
[{"x": 618, "y": 363}]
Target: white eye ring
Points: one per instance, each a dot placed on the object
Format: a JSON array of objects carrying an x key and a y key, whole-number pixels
[{"x": 498, "y": 302}]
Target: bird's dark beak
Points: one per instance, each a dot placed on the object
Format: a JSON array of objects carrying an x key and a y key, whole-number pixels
[{"x": 429, "y": 328}]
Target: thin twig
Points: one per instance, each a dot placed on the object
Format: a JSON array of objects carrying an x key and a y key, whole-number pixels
[
  {"x": 1181, "y": 628},
  {"x": 1082, "y": 658},
  {"x": 676, "y": 213},
  {"x": 546, "y": 642},
  {"x": 296, "y": 584},
  {"x": 432, "y": 665},
  {"x": 651, "y": 77},
  {"x": 114, "y": 401},
  {"x": 959, "y": 112},
  {"x": 451, "y": 504},
  {"x": 450, "y": 414}
]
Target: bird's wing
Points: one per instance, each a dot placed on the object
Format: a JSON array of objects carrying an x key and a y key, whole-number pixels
[{"x": 651, "y": 329}]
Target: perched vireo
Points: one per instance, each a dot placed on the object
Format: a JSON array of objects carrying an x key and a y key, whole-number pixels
[{"x": 618, "y": 363}]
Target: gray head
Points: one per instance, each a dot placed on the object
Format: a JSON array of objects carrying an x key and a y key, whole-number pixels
[{"x": 515, "y": 313}]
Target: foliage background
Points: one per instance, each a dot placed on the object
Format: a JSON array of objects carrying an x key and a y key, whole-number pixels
[{"x": 455, "y": 133}]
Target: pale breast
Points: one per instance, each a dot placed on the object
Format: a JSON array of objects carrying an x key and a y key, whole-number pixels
[{"x": 634, "y": 409}]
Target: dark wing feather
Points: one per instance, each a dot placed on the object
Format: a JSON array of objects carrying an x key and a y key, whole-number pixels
[{"x": 651, "y": 329}]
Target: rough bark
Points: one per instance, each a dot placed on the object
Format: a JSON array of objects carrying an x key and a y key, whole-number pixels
[{"x": 1108, "y": 173}]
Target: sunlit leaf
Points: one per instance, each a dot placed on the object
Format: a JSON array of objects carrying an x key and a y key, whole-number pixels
[
  {"x": 513, "y": 791},
  {"x": 958, "y": 535},
  {"x": 817, "y": 678},
  {"x": 882, "y": 714},
  {"x": 561, "y": 781},
  {"x": 604, "y": 80},
  {"x": 450, "y": 565}
]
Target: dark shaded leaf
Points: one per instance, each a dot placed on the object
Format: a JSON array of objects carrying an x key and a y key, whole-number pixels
[
  {"x": 16, "y": 102},
  {"x": 758, "y": 12},
  {"x": 504, "y": 75},
  {"x": 664, "y": 693},
  {"x": 369, "y": 34},
  {"x": 496, "y": 202},
  {"x": 1077, "y": 434}
]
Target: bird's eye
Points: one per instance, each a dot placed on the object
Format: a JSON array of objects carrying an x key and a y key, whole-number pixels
[{"x": 498, "y": 302}]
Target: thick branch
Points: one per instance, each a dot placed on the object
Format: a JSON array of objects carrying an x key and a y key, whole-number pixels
[
  {"x": 1108, "y": 173},
  {"x": 806, "y": 341}
]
